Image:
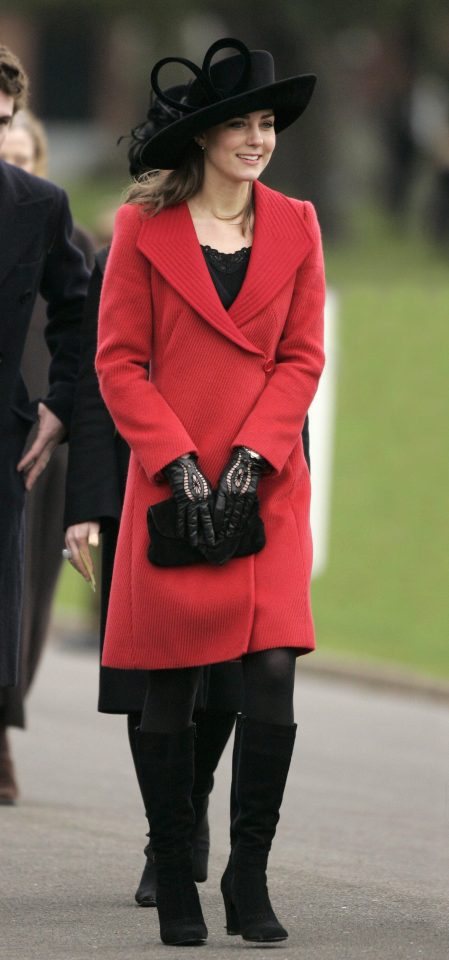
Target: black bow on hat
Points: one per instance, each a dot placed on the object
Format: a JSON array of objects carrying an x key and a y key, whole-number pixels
[{"x": 233, "y": 86}]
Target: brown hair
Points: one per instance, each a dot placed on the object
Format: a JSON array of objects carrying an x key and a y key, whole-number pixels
[
  {"x": 13, "y": 79},
  {"x": 26, "y": 120},
  {"x": 157, "y": 189}
]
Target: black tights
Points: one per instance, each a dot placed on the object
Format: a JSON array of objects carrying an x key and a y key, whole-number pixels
[
  {"x": 268, "y": 682},
  {"x": 170, "y": 699}
]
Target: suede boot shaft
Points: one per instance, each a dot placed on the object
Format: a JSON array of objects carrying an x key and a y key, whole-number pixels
[
  {"x": 262, "y": 762},
  {"x": 166, "y": 762}
]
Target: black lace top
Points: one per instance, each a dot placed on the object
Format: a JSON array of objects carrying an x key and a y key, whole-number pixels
[{"x": 227, "y": 271}]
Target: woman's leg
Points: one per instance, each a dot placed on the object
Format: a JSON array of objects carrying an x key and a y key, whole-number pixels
[
  {"x": 170, "y": 699},
  {"x": 268, "y": 685},
  {"x": 165, "y": 746},
  {"x": 266, "y": 740},
  {"x": 213, "y": 729}
]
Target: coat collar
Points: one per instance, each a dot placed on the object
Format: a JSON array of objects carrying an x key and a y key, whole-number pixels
[
  {"x": 281, "y": 242},
  {"x": 18, "y": 216}
]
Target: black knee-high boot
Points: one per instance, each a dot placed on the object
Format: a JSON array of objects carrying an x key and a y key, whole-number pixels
[
  {"x": 166, "y": 763},
  {"x": 213, "y": 729},
  {"x": 145, "y": 894},
  {"x": 263, "y": 765}
]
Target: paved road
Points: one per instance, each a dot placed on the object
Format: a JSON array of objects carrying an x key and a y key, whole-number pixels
[{"x": 360, "y": 867}]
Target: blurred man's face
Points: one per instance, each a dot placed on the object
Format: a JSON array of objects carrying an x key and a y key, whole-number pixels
[{"x": 6, "y": 112}]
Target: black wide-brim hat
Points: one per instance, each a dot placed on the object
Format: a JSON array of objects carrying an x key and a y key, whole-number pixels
[{"x": 231, "y": 87}]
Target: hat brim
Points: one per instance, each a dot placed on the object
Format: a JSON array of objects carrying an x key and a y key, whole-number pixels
[{"x": 286, "y": 98}]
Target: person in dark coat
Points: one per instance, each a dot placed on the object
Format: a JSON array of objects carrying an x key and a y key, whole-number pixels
[
  {"x": 25, "y": 146},
  {"x": 36, "y": 255}
]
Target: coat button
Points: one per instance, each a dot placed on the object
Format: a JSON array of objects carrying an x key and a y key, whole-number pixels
[{"x": 269, "y": 366}]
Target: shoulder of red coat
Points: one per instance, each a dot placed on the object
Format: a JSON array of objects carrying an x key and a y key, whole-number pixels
[
  {"x": 129, "y": 218},
  {"x": 304, "y": 210}
]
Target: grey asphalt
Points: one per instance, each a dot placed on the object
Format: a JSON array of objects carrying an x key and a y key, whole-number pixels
[{"x": 359, "y": 869}]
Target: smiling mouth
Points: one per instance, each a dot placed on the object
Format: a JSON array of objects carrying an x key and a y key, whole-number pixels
[{"x": 252, "y": 157}]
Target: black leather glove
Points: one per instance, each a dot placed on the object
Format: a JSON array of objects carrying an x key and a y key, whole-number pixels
[
  {"x": 237, "y": 492},
  {"x": 194, "y": 499}
]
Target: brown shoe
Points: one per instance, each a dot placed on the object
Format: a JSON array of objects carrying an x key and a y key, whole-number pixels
[{"x": 9, "y": 790}]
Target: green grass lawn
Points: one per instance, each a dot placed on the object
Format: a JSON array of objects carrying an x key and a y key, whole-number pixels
[
  {"x": 384, "y": 592},
  {"x": 90, "y": 200}
]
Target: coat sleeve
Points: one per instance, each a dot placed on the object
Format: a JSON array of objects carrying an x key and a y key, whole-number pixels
[
  {"x": 93, "y": 482},
  {"x": 141, "y": 414},
  {"x": 63, "y": 286},
  {"x": 275, "y": 422}
]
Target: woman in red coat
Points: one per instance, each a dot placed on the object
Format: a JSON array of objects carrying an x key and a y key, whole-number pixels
[{"x": 210, "y": 352}]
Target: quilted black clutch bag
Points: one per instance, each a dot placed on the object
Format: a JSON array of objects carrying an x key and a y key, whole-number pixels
[{"x": 166, "y": 549}]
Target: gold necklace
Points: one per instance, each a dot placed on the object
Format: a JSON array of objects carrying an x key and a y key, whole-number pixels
[{"x": 231, "y": 216}]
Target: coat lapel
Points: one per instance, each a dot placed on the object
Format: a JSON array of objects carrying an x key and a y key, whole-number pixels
[
  {"x": 280, "y": 244},
  {"x": 170, "y": 243}
]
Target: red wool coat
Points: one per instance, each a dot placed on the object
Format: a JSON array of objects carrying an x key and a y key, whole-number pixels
[{"x": 218, "y": 379}]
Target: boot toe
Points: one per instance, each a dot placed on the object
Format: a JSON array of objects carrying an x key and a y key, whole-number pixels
[
  {"x": 178, "y": 934},
  {"x": 261, "y": 932},
  {"x": 145, "y": 900}
]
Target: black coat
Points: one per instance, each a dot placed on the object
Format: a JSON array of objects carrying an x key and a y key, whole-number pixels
[
  {"x": 36, "y": 255},
  {"x": 44, "y": 508}
]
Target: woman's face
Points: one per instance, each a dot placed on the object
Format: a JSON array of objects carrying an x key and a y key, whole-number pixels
[
  {"x": 18, "y": 149},
  {"x": 240, "y": 148}
]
